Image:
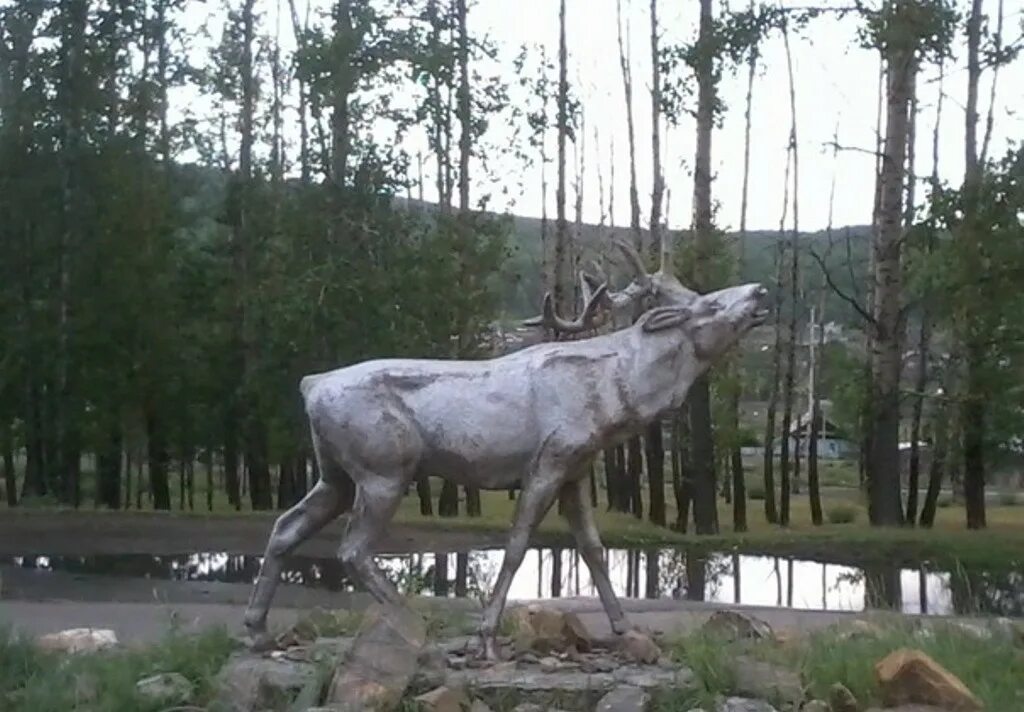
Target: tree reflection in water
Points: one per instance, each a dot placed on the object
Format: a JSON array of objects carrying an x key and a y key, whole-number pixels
[{"x": 652, "y": 573}]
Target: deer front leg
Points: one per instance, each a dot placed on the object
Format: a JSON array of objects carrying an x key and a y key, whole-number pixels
[
  {"x": 580, "y": 515},
  {"x": 534, "y": 502}
]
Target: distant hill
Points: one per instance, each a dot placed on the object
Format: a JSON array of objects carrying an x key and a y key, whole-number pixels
[
  {"x": 846, "y": 261},
  {"x": 846, "y": 258}
]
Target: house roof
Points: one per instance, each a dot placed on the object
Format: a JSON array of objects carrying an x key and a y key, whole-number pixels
[{"x": 826, "y": 428}]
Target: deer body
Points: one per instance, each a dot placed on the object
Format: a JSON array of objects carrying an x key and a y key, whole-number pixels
[
  {"x": 533, "y": 417},
  {"x": 485, "y": 423}
]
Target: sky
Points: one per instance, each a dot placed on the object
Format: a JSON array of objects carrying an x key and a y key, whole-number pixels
[{"x": 836, "y": 85}]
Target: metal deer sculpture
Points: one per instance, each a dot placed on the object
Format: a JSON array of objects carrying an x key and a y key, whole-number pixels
[{"x": 533, "y": 417}]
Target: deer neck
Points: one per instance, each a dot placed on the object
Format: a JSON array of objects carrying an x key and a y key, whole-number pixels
[{"x": 664, "y": 367}]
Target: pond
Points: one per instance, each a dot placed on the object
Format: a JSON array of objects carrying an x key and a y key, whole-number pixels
[{"x": 637, "y": 573}]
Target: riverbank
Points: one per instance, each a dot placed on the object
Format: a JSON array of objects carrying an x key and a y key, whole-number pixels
[{"x": 54, "y": 532}]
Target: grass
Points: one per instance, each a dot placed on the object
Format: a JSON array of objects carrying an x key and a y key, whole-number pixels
[
  {"x": 991, "y": 668},
  {"x": 35, "y": 681},
  {"x": 999, "y": 546}
]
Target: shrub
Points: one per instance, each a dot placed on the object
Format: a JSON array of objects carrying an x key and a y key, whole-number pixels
[
  {"x": 842, "y": 514},
  {"x": 1008, "y": 499},
  {"x": 756, "y": 492},
  {"x": 944, "y": 501}
]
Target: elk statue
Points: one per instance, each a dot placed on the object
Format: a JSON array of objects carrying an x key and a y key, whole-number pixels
[{"x": 534, "y": 417}]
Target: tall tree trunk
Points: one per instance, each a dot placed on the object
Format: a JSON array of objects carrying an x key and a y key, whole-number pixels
[
  {"x": 424, "y": 496},
  {"x": 108, "y": 467},
  {"x": 705, "y": 505},
  {"x": 884, "y": 493},
  {"x": 10, "y": 476},
  {"x": 770, "y": 512},
  {"x": 923, "y": 348},
  {"x": 564, "y": 282},
  {"x": 794, "y": 297},
  {"x": 627, "y": 86},
  {"x": 465, "y": 150},
  {"x": 254, "y": 435},
  {"x": 739, "y": 489},
  {"x": 681, "y": 478},
  {"x": 208, "y": 461},
  {"x": 972, "y": 415},
  {"x": 654, "y": 446},
  {"x": 940, "y": 445},
  {"x": 634, "y": 475},
  {"x": 231, "y": 463},
  {"x": 70, "y": 103},
  {"x": 448, "y": 500},
  {"x": 158, "y": 462}
]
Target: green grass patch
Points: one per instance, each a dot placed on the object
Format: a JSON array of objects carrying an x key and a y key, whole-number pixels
[
  {"x": 35, "y": 681},
  {"x": 842, "y": 514},
  {"x": 991, "y": 667}
]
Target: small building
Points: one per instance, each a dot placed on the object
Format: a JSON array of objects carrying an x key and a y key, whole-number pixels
[{"x": 833, "y": 442}]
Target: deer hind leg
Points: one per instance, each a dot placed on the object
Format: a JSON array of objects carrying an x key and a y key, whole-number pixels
[
  {"x": 535, "y": 500},
  {"x": 377, "y": 498},
  {"x": 318, "y": 507},
  {"x": 579, "y": 513}
]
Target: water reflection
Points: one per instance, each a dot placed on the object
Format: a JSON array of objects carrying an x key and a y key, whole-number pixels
[{"x": 650, "y": 573}]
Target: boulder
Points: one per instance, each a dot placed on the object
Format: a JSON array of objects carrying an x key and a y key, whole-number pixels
[
  {"x": 479, "y": 706},
  {"x": 247, "y": 683},
  {"x": 857, "y": 629},
  {"x": 169, "y": 688},
  {"x": 755, "y": 678},
  {"x": 816, "y": 706},
  {"x": 841, "y": 699},
  {"x": 744, "y": 704},
  {"x": 639, "y": 647},
  {"x": 731, "y": 625},
  {"x": 624, "y": 699},
  {"x": 442, "y": 699},
  {"x": 383, "y": 659},
  {"x": 576, "y": 634},
  {"x": 908, "y": 676},
  {"x": 78, "y": 640},
  {"x": 543, "y": 630}
]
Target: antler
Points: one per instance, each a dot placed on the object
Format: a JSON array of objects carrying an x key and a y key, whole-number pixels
[{"x": 587, "y": 321}]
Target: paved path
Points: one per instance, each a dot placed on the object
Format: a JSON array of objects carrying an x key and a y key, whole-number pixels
[{"x": 138, "y": 622}]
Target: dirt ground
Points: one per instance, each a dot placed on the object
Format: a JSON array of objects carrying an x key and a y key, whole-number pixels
[{"x": 83, "y": 533}]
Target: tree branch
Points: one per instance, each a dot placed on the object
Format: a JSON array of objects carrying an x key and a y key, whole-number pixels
[
  {"x": 839, "y": 292},
  {"x": 836, "y": 146}
]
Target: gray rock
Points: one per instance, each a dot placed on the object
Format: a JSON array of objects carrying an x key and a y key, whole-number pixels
[
  {"x": 573, "y": 689},
  {"x": 907, "y": 708},
  {"x": 624, "y": 699},
  {"x": 816, "y": 706},
  {"x": 248, "y": 683},
  {"x": 744, "y": 704},
  {"x": 550, "y": 664},
  {"x": 479, "y": 706},
  {"x": 78, "y": 640},
  {"x": 841, "y": 699},
  {"x": 442, "y": 699},
  {"x": 732, "y": 625},
  {"x": 168, "y": 687},
  {"x": 764, "y": 681},
  {"x": 382, "y": 661}
]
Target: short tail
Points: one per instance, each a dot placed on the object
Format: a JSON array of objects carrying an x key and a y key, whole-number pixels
[{"x": 306, "y": 384}]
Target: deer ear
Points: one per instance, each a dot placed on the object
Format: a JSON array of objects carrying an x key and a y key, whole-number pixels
[{"x": 665, "y": 318}]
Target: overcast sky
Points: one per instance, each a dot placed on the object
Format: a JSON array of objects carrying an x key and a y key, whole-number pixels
[{"x": 836, "y": 89}]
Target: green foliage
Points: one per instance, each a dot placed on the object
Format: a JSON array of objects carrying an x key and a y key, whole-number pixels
[
  {"x": 925, "y": 26},
  {"x": 842, "y": 514},
  {"x": 33, "y": 680},
  {"x": 991, "y": 668},
  {"x": 755, "y": 491}
]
